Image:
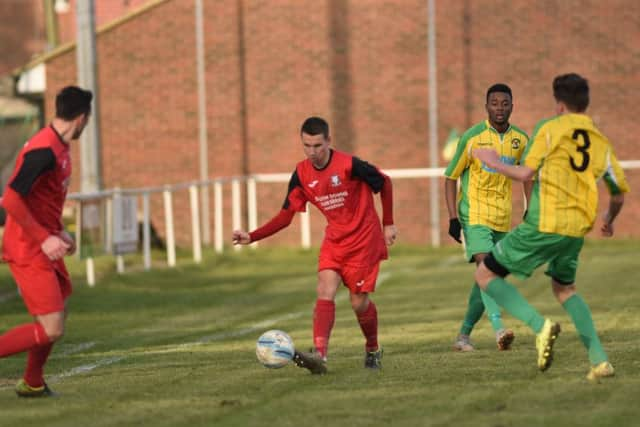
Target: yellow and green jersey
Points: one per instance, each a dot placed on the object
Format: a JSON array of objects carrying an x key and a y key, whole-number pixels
[
  {"x": 484, "y": 197},
  {"x": 569, "y": 154}
]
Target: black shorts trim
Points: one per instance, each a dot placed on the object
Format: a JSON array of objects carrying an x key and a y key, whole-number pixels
[
  {"x": 563, "y": 282},
  {"x": 495, "y": 267}
]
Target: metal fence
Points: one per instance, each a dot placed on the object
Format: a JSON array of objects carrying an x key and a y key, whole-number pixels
[{"x": 105, "y": 220}]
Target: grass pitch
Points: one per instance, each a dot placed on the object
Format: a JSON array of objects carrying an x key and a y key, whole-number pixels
[{"x": 175, "y": 347}]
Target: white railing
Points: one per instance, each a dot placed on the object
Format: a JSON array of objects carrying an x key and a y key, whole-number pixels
[{"x": 194, "y": 189}]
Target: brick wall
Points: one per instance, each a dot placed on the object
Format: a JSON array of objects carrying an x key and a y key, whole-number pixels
[
  {"x": 22, "y": 33},
  {"x": 360, "y": 64},
  {"x": 105, "y": 12}
]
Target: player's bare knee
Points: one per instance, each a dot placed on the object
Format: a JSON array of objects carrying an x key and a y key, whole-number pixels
[
  {"x": 477, "y": 258},
  {"x": 562, "y": 291},
  {"x": 53, "y": 325},
  {"x": 54, "y": 332},
  {"x": 326, "y": 294},
  {"x": 359, "y": 302},
  {"x": 483, "y": 276},
  {"x": 328, "y": 282}
]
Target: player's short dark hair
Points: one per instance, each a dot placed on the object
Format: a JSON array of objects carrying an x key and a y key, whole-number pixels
[
  {"x": 573, "y": 90},
  {"x": 73, "y": 101},
  {"x": 315, "y": 126},
  {"x": 499, "y": 87}
]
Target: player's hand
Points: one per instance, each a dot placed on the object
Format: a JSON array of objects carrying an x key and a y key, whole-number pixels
[
  {"x": 54, "y": 247},
  {"x": 454, "y": 229},
  {"x": 241, "y": 237},
  {"x": 70, "y": 241},
  {"x": 390, "y": 234},
  {"x": 606, "y": 229},
  {"x": 488, "y": 156}
]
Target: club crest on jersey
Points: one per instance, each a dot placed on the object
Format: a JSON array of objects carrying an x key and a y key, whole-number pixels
[
  {"x": 335, "y": 180},
  {"x": 515, "y": 143}
]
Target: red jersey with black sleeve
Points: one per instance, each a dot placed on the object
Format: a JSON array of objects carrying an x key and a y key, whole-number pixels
[
  {"x": 35, "y": 195},
  {"x": 343, "y": 192}
]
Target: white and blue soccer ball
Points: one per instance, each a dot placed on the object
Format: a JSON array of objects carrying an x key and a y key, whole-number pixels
[{"x": 274, "y": 349}]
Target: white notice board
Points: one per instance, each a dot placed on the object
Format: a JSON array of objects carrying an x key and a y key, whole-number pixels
[{"x": 125, "y": 224}]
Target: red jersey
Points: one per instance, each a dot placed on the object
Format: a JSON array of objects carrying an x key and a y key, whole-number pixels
[
  {"x": 343, "y": 192},
  {"x": 40, "y": 178}
]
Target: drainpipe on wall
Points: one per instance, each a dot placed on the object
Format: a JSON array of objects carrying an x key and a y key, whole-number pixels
[{"x": 51, "y": 24}]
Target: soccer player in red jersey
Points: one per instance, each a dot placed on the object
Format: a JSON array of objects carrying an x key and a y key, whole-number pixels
[
  {"x": 341, "y": 186},
  {"x": 34, "y": 241}
]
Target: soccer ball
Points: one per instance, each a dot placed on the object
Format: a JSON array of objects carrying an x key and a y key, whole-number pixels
[{"x": 274, "y": 349}]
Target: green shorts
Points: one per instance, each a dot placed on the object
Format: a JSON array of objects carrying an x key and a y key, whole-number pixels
[
  {"x": 480, "y": 239},
  {"x": 525, "y": 248}
]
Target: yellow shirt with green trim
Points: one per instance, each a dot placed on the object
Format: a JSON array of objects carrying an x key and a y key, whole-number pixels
[
  {"x": 484, "y": 197},
  {"x": 569, "y": 154}
]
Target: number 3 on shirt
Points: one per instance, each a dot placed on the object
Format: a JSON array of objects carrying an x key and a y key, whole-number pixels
[{"x": 582, "y": 149}]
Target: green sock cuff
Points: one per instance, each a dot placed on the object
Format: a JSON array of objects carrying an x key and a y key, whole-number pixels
[{"x": 571, "y": 301}]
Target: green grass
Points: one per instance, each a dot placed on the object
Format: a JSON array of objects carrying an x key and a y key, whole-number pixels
[{"x": 176, "y": 347}]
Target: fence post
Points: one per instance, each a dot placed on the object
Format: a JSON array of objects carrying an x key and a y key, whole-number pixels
[
  {"x": 195, "y": 224},
  {"x": 120, "y": 264},
  {"x": 91, "y": 273},
  {"x": 168, "y": 218},
  {"x": 108, "y": 229},
  {"x": 79, "y": 230},
  {"x": 146, "y": 231},
  {"x": 108, "y": 240},
  {"x": 236, "y": 207},
  {"x": 305, "y": 228},
  {"x": 252, "y": 207},
  {"x": 204, "y": 208},
  {"x": 218, "y": 232}
]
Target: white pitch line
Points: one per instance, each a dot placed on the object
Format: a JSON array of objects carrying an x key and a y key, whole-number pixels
[
  {"x": 83, "y": 369},
  {"x": 72, "y": 349}
]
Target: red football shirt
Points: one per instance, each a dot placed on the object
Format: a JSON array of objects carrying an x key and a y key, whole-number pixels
[
  {"x": 343, "y": 192},
  {"x": 40, "y": 178}
]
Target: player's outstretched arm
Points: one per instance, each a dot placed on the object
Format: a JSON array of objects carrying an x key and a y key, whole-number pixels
[
  {"x": 17, "y": 208},
  {"x": 615, "y": 205},
  {"x": 277, "y": 223},
  {"x": 69, "y": 241},
  {"x": 390, "y": 234},
  {"x": 54, "y": 247},
  {"x": 241, "y": 237},
  {"x": 450, "y": 192},
  {"x": 490, "y": 158},
  {"x": 617, "y": 185}
]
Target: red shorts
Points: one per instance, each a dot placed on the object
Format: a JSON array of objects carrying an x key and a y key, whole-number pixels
[
  {"x": 44, "y": 287},
  {"x": 360, "y": 279}
]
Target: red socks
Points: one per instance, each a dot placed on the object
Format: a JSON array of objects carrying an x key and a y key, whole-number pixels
[
  {"x": 22, "y": 338},
  {"x": 324, "y": 316},
  {"x": 38, "y": 356},
  {"x": 368, "y": 320}
]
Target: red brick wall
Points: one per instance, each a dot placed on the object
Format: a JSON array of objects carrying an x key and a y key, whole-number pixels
[
  {"x": 105, "y": 12},
  {"x": 360, "y": 64},
  {"x": 23, "y": 28},
  {"x": 22, "y": 33}
]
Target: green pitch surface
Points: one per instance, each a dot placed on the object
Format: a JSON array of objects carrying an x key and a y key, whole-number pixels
[{"x": 175, "y": 347}]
